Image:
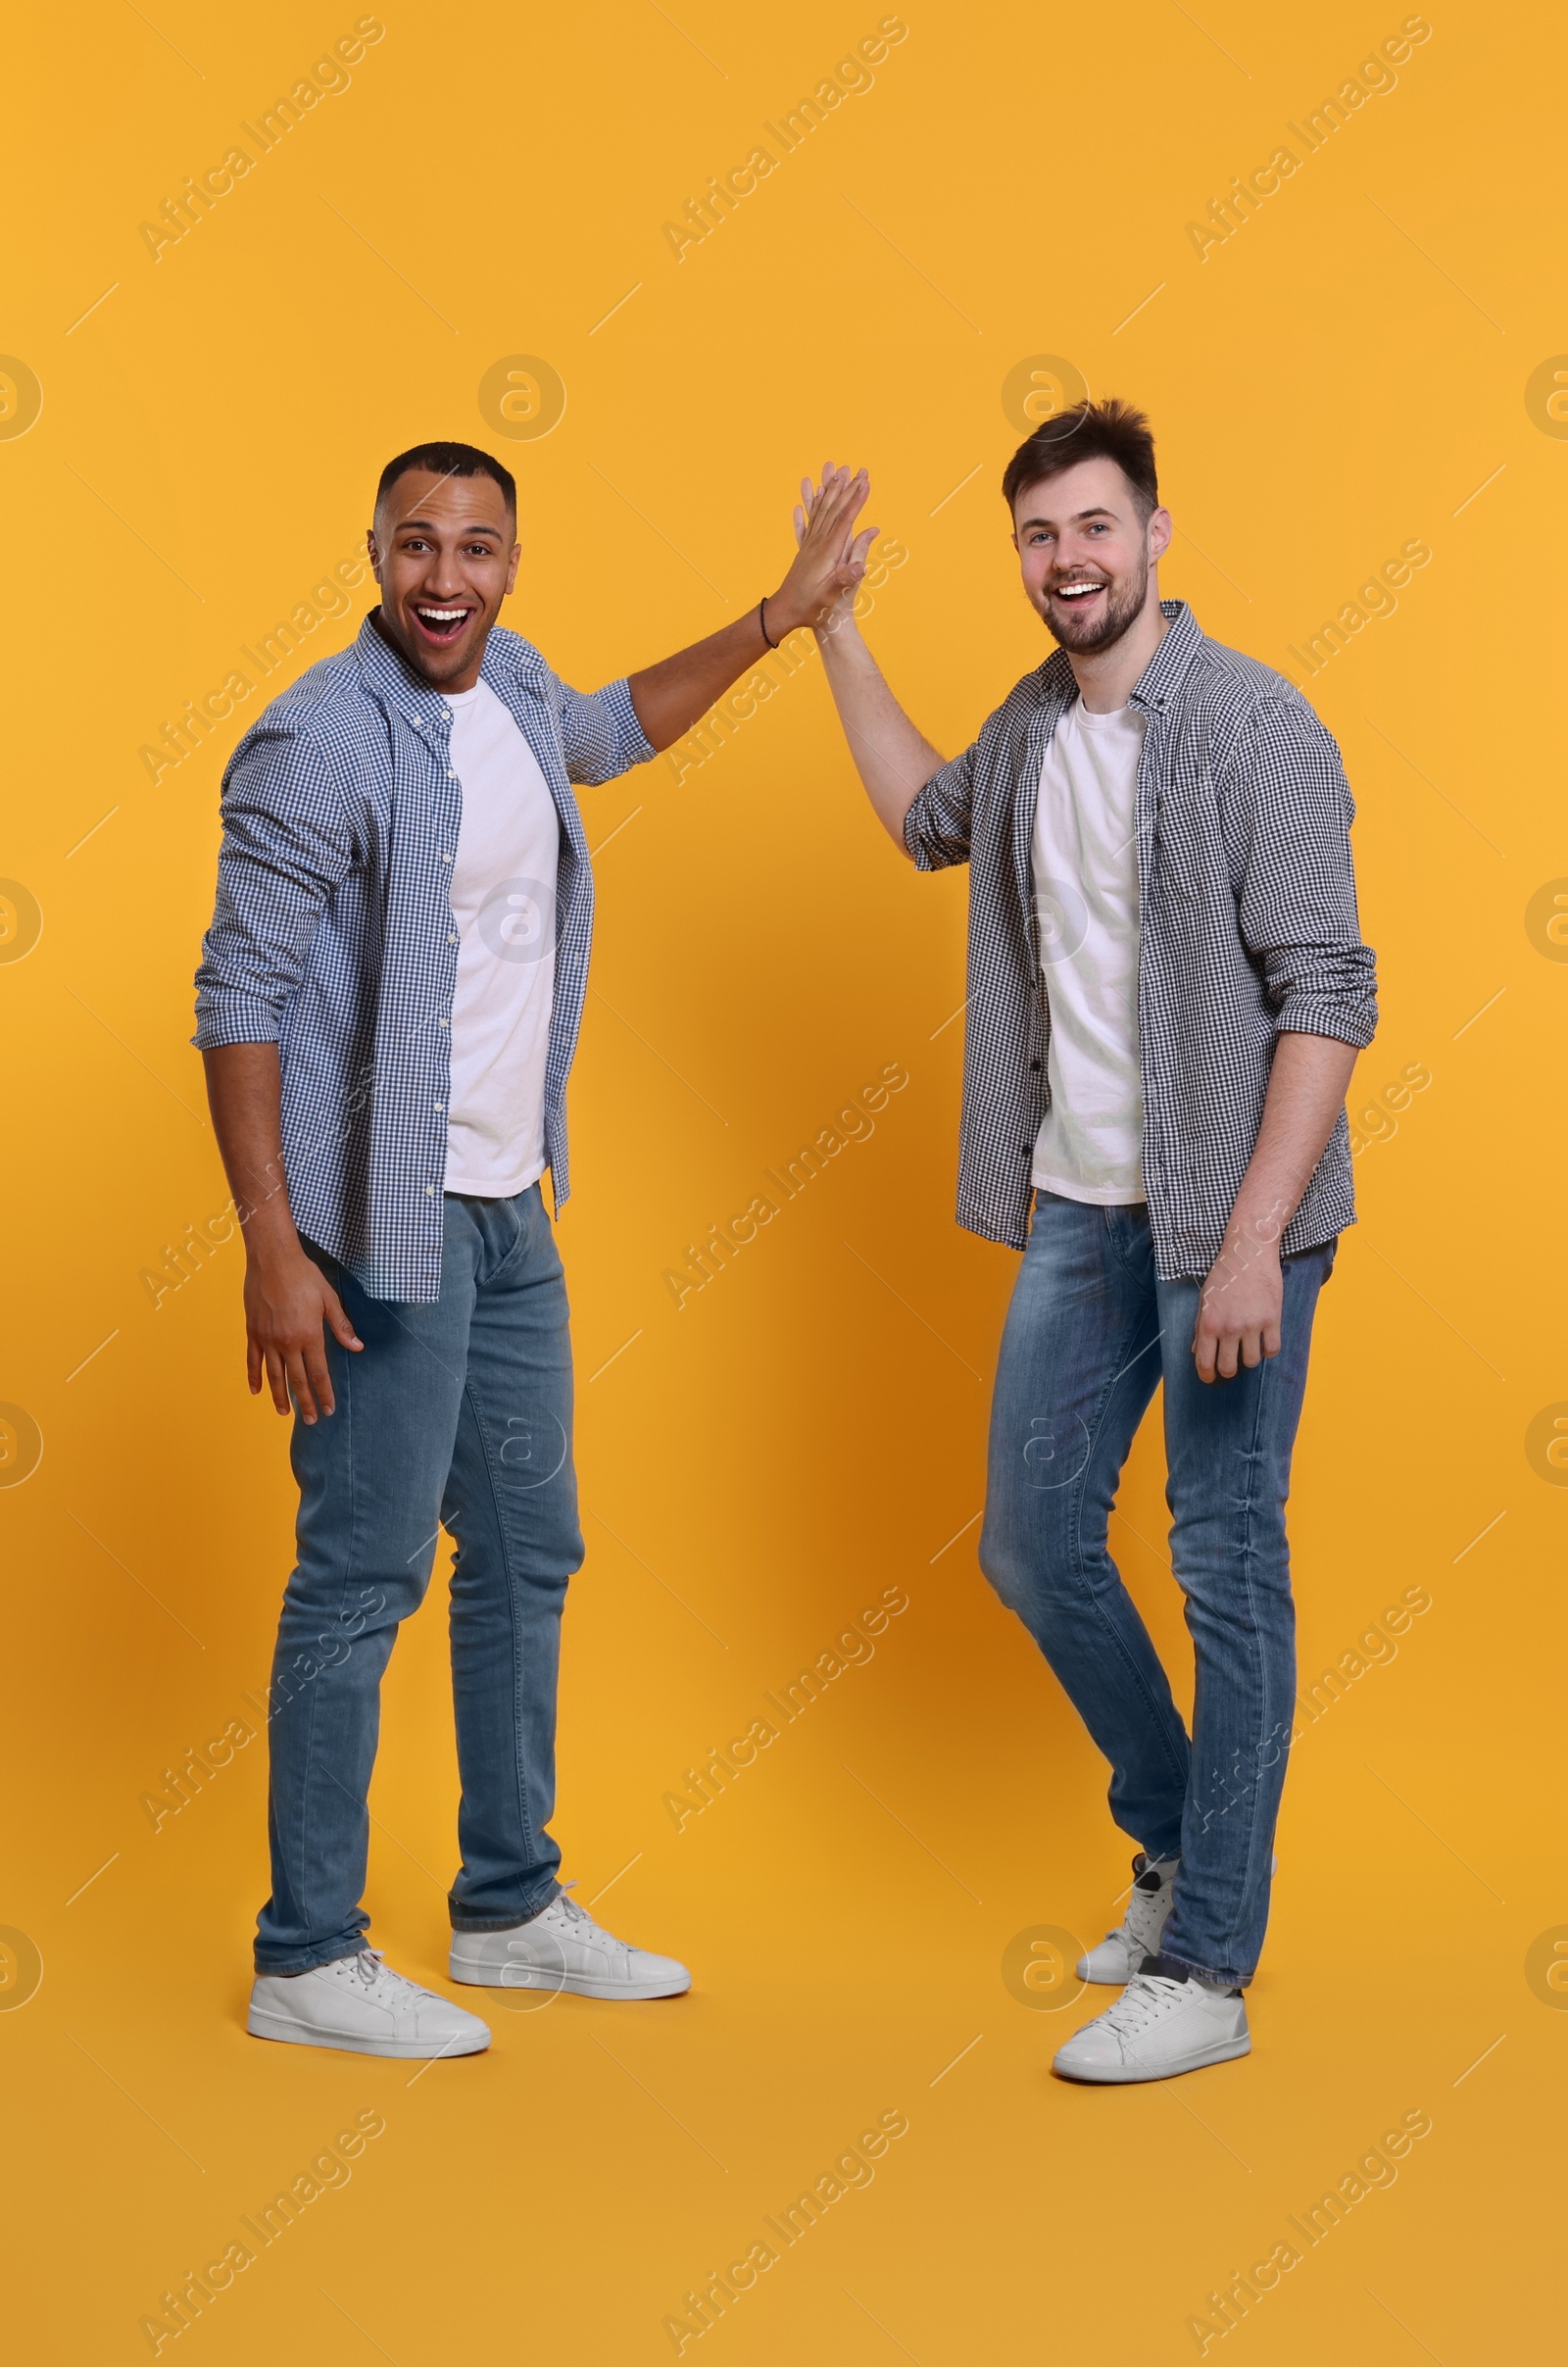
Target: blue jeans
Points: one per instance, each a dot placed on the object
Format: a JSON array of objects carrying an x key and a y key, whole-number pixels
[
  {"x": 1090, "y": 1333},
  {"x": 457, "y": 1412}
]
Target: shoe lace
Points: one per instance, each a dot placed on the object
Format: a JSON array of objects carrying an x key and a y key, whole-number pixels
[
  {"x": 372, "y": 1967},
  {"x": 1141, "y": 1925},
  {"x": 1146, "y": 1998},
  {"x": 573, "y": 1914}
]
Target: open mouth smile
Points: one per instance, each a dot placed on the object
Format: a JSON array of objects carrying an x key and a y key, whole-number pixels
[
  {"x": 440, "y": 625},
  {"x": 1076, "y": 590}
]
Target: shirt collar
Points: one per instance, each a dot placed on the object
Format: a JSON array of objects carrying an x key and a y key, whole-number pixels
[
  {"x": 393, "y": 683},
  {"x": 508, "y": 657},
  {"x": 1162, "y": 677}
]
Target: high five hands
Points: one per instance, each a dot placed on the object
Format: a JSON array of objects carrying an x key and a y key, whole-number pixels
[
  {"x": 818, "y": 590},
  {"x": 831, "y": 558}
]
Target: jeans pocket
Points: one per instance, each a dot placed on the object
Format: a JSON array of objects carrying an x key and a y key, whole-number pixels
[{"x": 520, "y": 1211}]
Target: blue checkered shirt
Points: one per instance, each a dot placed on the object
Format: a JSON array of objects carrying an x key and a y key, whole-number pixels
[
  {"x": 333, "y": 935},
  {"x": 1248, "y": 931}
]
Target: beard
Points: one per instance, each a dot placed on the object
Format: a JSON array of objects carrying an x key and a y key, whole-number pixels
[{"x": 1121, "y": 607}]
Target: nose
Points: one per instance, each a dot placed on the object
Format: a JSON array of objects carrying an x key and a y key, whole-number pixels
[
  {"x": 444, "y": 577},
  {"x": 1074, "y": 553}
]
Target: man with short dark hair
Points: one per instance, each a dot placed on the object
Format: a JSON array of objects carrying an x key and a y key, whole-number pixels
[
  {"x": 388, "y": 1005},
  {"x": 1166, "y": 991}
]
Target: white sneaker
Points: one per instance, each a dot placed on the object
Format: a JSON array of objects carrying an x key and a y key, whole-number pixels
[
  {"x": 1156, "y": 2028},
  {"x": 1119, "y": 1954},
  {"x": 565, "y": 1948},
  {"x": 360, "y": 2005}
]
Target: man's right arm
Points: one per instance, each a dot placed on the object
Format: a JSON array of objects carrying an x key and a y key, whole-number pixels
[
  {"x": 287, "y": 848},
  {"x": 894, "y": 758},
  {"x": 287, "y": 1297}
]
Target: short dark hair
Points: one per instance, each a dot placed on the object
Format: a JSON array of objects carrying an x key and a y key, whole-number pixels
[
  {"x": 1110, "y": 430},
  {"x": 448, "y": 460}
]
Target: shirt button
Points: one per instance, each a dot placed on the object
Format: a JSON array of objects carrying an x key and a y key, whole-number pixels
[
  {"x": 1035, "y": 1065},
  {"x": 446, "y": 859},
  {"x": 451, "y": 776},
  {"x": 429, "y": 1191},
  {"x": 440, "y": 1105},
  {"x": 452, "y": 936},
  {"x": 443, "y": 1022}
]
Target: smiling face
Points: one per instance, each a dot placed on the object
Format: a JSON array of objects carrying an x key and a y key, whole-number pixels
[
  {"x": 445, "y": 553},
  {"x": 1087, "y": 554}
]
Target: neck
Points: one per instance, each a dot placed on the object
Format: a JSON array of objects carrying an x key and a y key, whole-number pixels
[{"x": 1107, "y": 678}]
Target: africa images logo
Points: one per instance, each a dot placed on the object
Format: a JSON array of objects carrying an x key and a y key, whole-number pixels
[{"x": 515, "y": 920}]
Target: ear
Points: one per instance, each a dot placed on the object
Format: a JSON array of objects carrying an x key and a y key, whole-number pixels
[
  {"x": 374, "y": 550},
  {"x": 512, "y": 566},
  {"x": 1161, "y": 532}
]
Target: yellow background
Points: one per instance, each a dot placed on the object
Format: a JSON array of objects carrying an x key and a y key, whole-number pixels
[{"x": 1339, "y": 377}]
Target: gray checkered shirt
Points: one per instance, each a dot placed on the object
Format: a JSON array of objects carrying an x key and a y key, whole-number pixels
[
  {"x": 1248, "y": 931},
  {"x": 333, "y": 934}
]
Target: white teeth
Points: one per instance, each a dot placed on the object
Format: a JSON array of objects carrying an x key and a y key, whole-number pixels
[{"x": 442, "y": 616}]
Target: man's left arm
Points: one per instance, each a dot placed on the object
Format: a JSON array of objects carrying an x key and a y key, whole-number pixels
[
  {"x": 1297, "y": 916},
  {"x": 606, "y": 732},
  {"x": 1238, "y": 1309}
]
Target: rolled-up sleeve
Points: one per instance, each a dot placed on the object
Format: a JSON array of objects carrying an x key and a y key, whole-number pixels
[
  {"x": 600, "y": 733},
  {"x": 286, "y": 847},
  {"x": 1297, "y": 909},
  {"x": 937, "y": 826}
]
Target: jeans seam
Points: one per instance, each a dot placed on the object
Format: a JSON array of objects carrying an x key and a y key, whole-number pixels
[
  {"x": 345, "y": 1412},
  {"x": 1249, "y": 1562},
  {"x": 1229, "y": 1978},
  {"x": 1123, "y": 1366},
  {"x": 481, "y": 1432},
  {"x": 510, "y": 1922},
  {"x": 315, "y": 1961}
]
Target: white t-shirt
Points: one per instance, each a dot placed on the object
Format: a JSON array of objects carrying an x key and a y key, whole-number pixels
[
  {"x": 1085, "y": 856},
  {"x": 503, "y": 897}
]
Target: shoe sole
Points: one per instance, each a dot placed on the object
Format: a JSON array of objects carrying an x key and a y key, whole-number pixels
[
  {"x": 403, "y": 2051},
  {"x": 576, "y": 1985},
  {"x": 1126, "y": 2075}
]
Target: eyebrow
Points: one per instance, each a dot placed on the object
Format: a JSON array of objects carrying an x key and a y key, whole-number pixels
[
  {"x": 432, "y": 526},
  {"x": 1096, "y": 510}
]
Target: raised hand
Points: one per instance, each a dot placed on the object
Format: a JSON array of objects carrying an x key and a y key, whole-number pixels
[
  {"x": 830, "y": 558},
  {"x": 894, "y": 758},
  {"x": 818, "y": 590}
]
